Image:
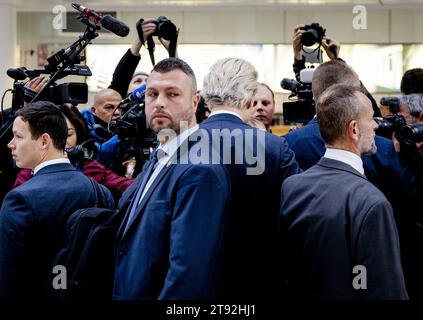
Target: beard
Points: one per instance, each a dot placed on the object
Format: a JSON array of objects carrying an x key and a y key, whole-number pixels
[
  {"x": 367, "y": 146},
  {"x": 169, "y": 123}
]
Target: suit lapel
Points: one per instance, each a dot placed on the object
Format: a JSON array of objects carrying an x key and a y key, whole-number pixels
[{"x": 144, "y": 200}]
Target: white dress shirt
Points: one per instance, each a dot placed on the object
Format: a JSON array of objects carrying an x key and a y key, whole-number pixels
[
  {"x": 225, "y": 111},
  {"x": 49, "y": 163},
  {"x": 169, "y": 149},
  {"x": 347, "y": 157}
]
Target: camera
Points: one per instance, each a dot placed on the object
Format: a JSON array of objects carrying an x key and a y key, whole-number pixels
[
  {"x": 390, "y": 124},
  {"x": 314, "y": 32},
  {"x": 303, "y": 109},
  {"x": 412, "y": 133},
  {"x": 392, "y": 102},
  {"x": 165, "y": 28},
  {"x": 132, "y": 126},
  {"x": 84, "y": 151}
]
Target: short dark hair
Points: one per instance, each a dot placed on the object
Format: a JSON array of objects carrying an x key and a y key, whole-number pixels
[
  {"x": 336, "y": 108},
  {"x": 45, "y": 117},
  {"x": 78, "y": 121},
  {"x": 330, "y": 73},
  {"x": 412, "y": 81},
  {"x": 170, "y": 64}
]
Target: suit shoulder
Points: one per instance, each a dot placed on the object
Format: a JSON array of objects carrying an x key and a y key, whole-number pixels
[{"x": 203, "y": 173}]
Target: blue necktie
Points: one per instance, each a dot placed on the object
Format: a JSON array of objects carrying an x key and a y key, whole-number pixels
[{"x": 150, "y": 166}]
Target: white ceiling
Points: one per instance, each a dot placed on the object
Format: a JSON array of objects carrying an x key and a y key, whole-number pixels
[{"x": 130, "y": 5}]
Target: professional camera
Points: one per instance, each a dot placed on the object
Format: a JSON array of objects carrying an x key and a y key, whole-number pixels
[
  {"x": 165, "y": 28},
  {"x": 314, "y": 32},
  {"x": 84, "y": 151},
  {"x": 392, "y": 102},
  {"x": 303, "y": 109},
  {"x": 412, "y": 133},
  {"x": 392, "y": 123},
  {"x": 132, "y": 125}
]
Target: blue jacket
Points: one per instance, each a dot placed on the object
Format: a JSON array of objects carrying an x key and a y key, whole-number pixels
[
  {"x": 174, "y": 245},
  {"x": 252, "y": 264},
  {"x": 97, "y": 130},
  {"x": 32, "y": 221}
]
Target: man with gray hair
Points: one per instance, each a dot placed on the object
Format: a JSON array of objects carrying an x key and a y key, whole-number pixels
[
  {"x": 411, "y": 107},
  {"x": 251, "y": 264},
  {"x": 340, "y": 230}
]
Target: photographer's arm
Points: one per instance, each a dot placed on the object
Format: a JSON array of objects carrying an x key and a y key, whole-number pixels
[
  {"x": 299, "y": 60},
  {"x": 166, "y": 44},
  {"x": 332, "y": 47},
  {"x": 129, "y": 62}
]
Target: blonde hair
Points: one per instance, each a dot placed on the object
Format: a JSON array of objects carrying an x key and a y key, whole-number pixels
[{"x": 230, "y": 81}]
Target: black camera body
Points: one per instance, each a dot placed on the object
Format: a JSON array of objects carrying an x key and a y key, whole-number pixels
[
  {"x": 132, "y": 126},
  {"x": 165, "y": 28},
  {"x": 298, "y": 88},
  {"x": 314, "y": 32},
  {"x": 70, "y": 92},
  {"x": 82, "y": 152},
  {"x": 303, "y": 109},
  {"x": 392, "y": 102},
  {"x": 390, "y": 124},
  {"x": 412, "y": 133}
]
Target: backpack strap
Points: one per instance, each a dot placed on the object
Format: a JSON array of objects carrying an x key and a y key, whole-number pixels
[{"x": 98, "y": 193}]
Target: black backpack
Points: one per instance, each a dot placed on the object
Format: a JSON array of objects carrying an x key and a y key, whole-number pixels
[{"x": 87, "y": 253}]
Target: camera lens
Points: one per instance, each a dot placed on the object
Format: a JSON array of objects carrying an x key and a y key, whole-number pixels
[
  {"x": 412, "y": 133},
  {"x": 309, "y": 37}
]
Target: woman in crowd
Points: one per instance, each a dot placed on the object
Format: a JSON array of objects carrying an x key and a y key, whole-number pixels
[{"x": 77, "y": 136}]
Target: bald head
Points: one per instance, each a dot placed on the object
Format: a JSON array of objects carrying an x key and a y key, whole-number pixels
[
  {"x": 330, "y": 73},
  {"x": 105, "y": 103}
]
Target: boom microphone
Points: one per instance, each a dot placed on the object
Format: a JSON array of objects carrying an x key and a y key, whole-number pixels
[
  {"x": 107, "y": 22},
  {"x": 137, "y": 95},
  {"x": 17, "y": 73}
]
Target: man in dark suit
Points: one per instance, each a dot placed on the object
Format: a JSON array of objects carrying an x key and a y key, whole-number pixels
[
  {"x": 383, "y": 168},
  {"x": 33, "y": 216},
  {"x": 257, "y": 163},
  {"x": 170, "y": 243},
  {"x": 336, "y": 223}
]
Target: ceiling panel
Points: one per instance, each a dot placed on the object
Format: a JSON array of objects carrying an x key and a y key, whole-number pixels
[{"x": 127, "y": 5}]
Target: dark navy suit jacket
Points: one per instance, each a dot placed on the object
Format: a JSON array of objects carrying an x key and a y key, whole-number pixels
[
  {"x": 251, "y": 265},
  {"x": 173, "y": 247},
  {"x": 383, "y": 169},
  {"x": 335, "y": 220},
  {"x": 32, "y": 220}
]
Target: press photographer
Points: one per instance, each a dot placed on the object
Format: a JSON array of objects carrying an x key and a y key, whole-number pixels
[
  {"x": 405, "y": 126},
  {"x": 315, "y": 35},
  {"x": 61, "y": 64},
  {"x": 127, "y": 151}
]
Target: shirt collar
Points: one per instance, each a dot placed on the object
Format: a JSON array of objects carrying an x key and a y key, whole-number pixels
[
  {"x": 225, "y": 112},
  {"x": 173, "y": 145},
  {"x": 346, "y": 157},
  {"x": 49, "y": 163}
]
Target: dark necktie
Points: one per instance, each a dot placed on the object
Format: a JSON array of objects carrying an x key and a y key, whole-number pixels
[{"x": 150, "y": 166}]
